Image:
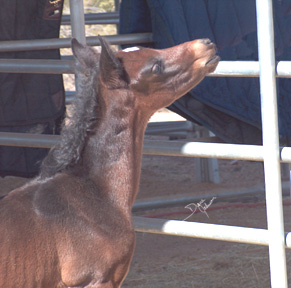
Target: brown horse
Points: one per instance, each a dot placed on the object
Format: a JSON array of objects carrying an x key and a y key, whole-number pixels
[{"x": 72, "y": 225}]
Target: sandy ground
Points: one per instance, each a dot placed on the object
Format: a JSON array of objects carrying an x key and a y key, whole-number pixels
[{"x": 170, "y": 261}]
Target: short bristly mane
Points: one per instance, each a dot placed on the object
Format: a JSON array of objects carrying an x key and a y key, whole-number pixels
[{"x": 76, "y": 127}]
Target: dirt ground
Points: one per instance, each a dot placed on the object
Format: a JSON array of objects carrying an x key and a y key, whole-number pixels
[{"x": 170, "y": 261}]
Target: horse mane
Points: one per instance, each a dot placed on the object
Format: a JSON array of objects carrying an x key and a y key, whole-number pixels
[{"x": 76, "y": 127}]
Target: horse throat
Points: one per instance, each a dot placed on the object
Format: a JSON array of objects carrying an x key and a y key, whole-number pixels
[{"x": 112, "y": 156}]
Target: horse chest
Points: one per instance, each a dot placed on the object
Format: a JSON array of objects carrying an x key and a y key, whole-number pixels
[{"x": 97, "y": 259}]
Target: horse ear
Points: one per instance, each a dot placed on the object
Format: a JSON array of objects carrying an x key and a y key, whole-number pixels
[
  {"x": 111, "y": 68},
  {"x": 86, "y": 57}
]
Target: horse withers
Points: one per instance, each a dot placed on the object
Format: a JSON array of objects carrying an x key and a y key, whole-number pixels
[{"x": 72, "y": 225}]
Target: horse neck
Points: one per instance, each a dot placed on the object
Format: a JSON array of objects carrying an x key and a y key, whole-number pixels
[{"x": 112, "y": 156}]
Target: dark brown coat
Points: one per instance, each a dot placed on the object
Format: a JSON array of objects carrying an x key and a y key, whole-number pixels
[{"x": 72, "y": 226}]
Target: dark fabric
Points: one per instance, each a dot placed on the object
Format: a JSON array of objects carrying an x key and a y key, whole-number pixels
[
  {"x": 22, "y": 161},
  {"x": 230, "y": 107},
  {"x": 27, "y": 100}
]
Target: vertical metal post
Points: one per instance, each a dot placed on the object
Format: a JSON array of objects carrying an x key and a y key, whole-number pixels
[
  {"x": 78, "y": 20},
  {"x": 207, "y": 169},
  {"x": 117, "y": 4},
  {"x": 78, "y": 29},
  {"x": 271, "y": 144}
]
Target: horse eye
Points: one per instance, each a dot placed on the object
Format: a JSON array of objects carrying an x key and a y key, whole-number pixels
[{"x": 157, "y": 69}]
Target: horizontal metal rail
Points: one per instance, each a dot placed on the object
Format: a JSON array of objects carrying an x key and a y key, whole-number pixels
[
  {"x": 211, "y": 150},
  {"x": 224, "y": 68},
  {"x": 57, "y": 43},
  {"x": 283, "y": 69},
  {"x": 95, "y": 18},
  {"x": 28, "y": 140},
  {"x": 248, "y": 69},
  {"x": 161, "y": 128},
  {"x": 166, "y": 148},
  {"x": 37, "y": 66},
  {"x": 70, "y": 96},
  {"x": 205, "y": 231},
  {"x": 236, "y": 69},
  {"x": 178, "y": 201},
  {"x": 204, "y": 150}
]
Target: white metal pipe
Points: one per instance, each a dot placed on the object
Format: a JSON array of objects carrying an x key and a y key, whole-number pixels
[
  {"x": 56, "y": 43},
  {"x": 258, "y": 190},
  {"x": 204, "y": 150},
  {"x": 283, "y": 69},
  {"x": 166, "y": 148},
  {"x": 265, "y": 33},
  {"x": 78, "y": 20},
  {"x": 95, "y": 18},
  {"x": 206, "y": 231},
  {"x": 285, "y": 154},
  {"x": 37, "y": 66},
  {"x": 28, "y": 140},
  {"x": 248, "y": 69},
  {"x": 201, "y": 230},
  {"x": 236, "y": 69},
  {"x": 78, "y": 29},
  {"x": 224, "y": 68},
  {"x": 70, "y": 97},
  {"x": 288, "y": 240}
]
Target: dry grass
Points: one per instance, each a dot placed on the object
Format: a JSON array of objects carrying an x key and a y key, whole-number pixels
[
  {"x": 169, "y": 261},
  {"x": 241, "y": 266}
]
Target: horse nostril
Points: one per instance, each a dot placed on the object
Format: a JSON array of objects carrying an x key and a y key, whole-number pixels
[{"x": 206, "y": 41}]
